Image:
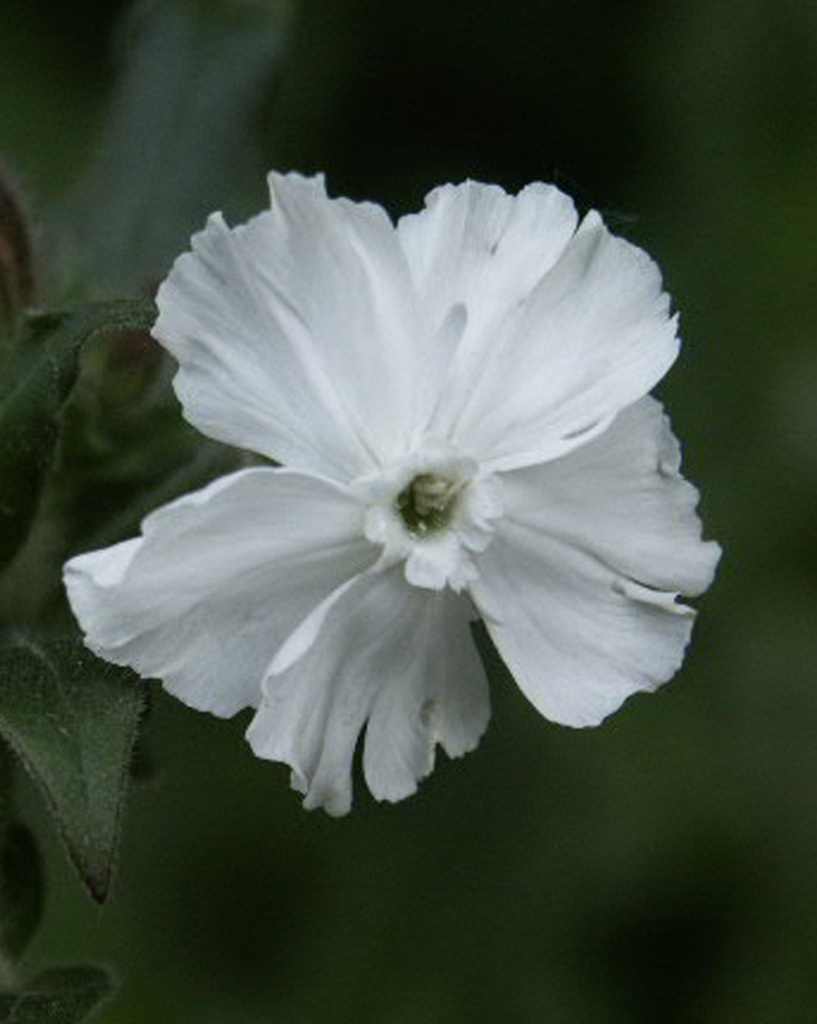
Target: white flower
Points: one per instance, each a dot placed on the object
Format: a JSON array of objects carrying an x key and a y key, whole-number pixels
[{"x": 460, "y": 404}]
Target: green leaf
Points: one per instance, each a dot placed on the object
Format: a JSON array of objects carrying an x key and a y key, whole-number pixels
[
  {"x": 36, "y": 380},
  {"x": 21, "y": 890},
  {"x": 62, "y": 995},
  {"x": 72, "y": 721},
  {"x": 182, "y": 136}
]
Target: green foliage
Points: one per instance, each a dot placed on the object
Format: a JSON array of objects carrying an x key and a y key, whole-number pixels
[
  {"x": 72, "y": 721},
  {"x": 126, "y": 448},
  {"x": 63, "y": 995},
  {"x": 21, "y": 882},
  {"x": 181, "y": 136},
  {"x": 36, "y": 380},
  {"x": 21, "y": 890},
  {"x": 16, "y": 257},
  {"x": 91, "y": 438}
]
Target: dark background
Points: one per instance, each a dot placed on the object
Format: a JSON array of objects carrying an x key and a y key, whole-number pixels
[{"x": 663, "y": 867}]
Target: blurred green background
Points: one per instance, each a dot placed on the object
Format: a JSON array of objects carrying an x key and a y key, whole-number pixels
[{"x": 662, "y": 867}]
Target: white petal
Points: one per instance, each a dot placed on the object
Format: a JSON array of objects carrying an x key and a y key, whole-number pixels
[
  {"x": 443, "y": 680},
  {"x": 295, "y": 332},
  {"x": 217, "y": 582},
  {"x": 401, "y": 659},
  {"x": 578, "y": 586},
  {"x": 476, "y": 252},
  {"x": 622, "y": 498},
  {"x": 306, "y": 632},
  {"x": 589, "y": 338}
]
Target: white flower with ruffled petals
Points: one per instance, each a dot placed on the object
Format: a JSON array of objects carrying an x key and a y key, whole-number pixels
[{"x": 459, "y": 404}]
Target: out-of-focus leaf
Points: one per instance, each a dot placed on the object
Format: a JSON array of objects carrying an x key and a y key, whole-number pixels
[
  {"x": 181, "y": 138},
  {"x": 206, "y": 461},
  {"x": 62, "y": 995},
  {"x": 72, "y": 721},
  {"x": 21, "y": 890},
  {"x": 16, "y": 256},
  {"x": 21, "y": 882},
  {"x": 36, "y": 380}
]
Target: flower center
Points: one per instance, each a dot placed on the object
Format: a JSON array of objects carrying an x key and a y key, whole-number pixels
[
  {"x": 427, "y": 504},
  {"x": 435, "y": 511}
]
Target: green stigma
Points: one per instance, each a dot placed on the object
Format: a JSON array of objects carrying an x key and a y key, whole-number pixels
[{"x": 427, "y": 503}]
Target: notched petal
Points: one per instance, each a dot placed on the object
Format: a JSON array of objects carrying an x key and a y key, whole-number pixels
[{"x": 390, "y": 659}]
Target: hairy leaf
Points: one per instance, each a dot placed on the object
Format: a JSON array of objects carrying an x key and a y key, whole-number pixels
[{"x": 72, "y": 721}]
